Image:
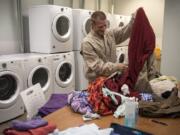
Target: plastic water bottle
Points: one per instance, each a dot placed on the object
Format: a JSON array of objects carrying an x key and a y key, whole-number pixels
[{"x": 131, "y": 113}]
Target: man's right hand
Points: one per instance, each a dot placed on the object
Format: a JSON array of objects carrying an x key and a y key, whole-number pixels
[{"x": 122, "y": 66}]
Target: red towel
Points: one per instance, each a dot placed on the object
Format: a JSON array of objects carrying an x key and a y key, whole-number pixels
[
  {"x": 141, "y": 46},
  {"x": 37, "y": 131}
]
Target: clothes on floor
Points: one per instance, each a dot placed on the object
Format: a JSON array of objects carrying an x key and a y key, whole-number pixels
[{"x": 55, "y": 102}]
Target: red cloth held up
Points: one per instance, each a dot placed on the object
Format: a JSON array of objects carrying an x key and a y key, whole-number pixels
[{"x": 141, "y": 46}]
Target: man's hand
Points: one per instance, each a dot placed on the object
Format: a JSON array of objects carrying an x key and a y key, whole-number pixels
[{"x": 122, "y": 67}]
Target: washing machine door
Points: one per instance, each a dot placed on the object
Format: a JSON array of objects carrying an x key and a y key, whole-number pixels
[
  {"x": 86, "y": 27},
  {"x": 40, "y": 74},
  {"x": 64, "y": 74},
  {"x": 10, "y": 86},
  {"x": 61, "y": 27},
  {"x": 121, "y": 24},
  {"x": 121, "y": 58}
]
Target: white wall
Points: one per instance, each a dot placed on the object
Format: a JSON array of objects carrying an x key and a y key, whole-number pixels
[
  {"x": 104, "y": 5},
  {"x": 76, "y": 3},
  {"x": 28, "y": 3},
  {"x": 154, "y": 10},
  {"x": 171, "y": 44},
  {"x": 66, "y": 3},
  {"x": 90, "y": 4},
  {"x": 9, "y": 28}
]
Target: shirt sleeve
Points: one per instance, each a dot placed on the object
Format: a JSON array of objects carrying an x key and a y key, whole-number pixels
[
  {"x": 121, "y": 34},
  {"x": 94, "y": 63}
]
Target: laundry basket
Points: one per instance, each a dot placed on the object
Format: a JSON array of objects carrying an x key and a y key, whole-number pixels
[{"x": 33, "y": 99}]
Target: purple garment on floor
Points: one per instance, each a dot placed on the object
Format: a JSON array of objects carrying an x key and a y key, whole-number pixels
[
  {"x": 79, "y": 103},
  {"x": 29, "y": 124},
  {"x": 55, "y": 102}
]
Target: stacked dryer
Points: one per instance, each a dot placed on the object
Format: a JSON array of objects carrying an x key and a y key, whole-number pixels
[
  {"x": 50, "y": 28},
  {"x": 11, "y": 84},
  {"x": 51, "y": 32},
  {"x": 82, "y": 26}
]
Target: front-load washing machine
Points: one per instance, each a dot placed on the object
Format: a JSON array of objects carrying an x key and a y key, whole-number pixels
[
  {"x": 81, "y": 26},
  {"x": 50, "y": 29},
  {"x": 37, "y": 69},
  {"x": 81, "y": 83},
  {"x": 63, "y": 72},
  {"x": 122, "y": 54},
  {"x": 11, "y": 84}
]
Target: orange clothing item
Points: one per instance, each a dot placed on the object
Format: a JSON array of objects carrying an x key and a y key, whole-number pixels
[{"x": 101, "y": 104}]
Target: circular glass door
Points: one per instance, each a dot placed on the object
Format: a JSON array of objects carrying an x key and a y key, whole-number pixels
[
  {"x": 10, "y": 85},
  {"x": 61, "y": 27},
  {"x": 121, "y": 24},
  {"x": 64, "y": 74},
  {"x": 40, "y": 74},
  {"x": 121, "y": 58},
  {"x": 86, "y": 26}
]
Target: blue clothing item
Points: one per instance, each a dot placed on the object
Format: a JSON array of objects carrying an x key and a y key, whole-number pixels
[
  {"x": 55, "y": 102},
  {"x": 123, "y": 130},
  {"x": 29, "y": 124},
  {"x": 112, "y": 133}
]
